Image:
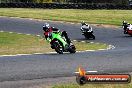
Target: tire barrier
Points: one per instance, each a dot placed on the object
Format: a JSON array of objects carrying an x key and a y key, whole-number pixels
[{"x": 63, "y": 6}]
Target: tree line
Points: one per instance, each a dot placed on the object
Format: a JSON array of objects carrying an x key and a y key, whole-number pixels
[
  {"x": 123, "y": 2},
  {"x": 34, "y": 1}
]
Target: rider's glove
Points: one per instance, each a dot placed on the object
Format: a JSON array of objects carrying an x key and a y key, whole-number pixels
[{"x": 48, "y": 39}]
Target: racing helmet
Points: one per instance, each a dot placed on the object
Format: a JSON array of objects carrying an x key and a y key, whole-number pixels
[
  {"x": 46, "y": 27},
  {"x": 124, "y": 22},
  {"x": 83, "y": 23}
]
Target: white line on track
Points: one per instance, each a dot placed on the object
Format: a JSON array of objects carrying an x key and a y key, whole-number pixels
[
  {"x": 101, "y": 49},
  {"x": 91, "y": 71},
  {"x": 22, "y": 54},
  {"x": 91, "y": 42},
  {"x": 19, "y": 33},
  {"x": 28, "y": 34},
  {"x": 1, "y": 31},
  {"x": 87, "y": 72},
  {"x": 7, "y": 55},
  {"x": 10, "y": 32},
  {"x": 17, "y": 55},
  {"x": 38, "y": 35},
  {"x": 38, "y": 53},
  {"x": 74, "y": 40},
  {"x": 82, "y": 41},
  {"x": 72, "y": 23}
]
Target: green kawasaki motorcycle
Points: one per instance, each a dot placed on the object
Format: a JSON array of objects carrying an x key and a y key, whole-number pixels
[{"x": 60, "y": 45}]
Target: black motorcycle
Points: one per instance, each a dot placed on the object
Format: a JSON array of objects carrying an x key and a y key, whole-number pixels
[{"x": 88, "y": 33}]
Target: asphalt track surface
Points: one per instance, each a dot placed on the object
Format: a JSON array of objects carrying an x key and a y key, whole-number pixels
[{"x": 29, "y": 67}]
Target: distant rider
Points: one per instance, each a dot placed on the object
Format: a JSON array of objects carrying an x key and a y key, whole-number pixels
[
  {"x": 125, "y": 25},
  {"x": 86, "y": 26},
  {"x": 48, "y": 30},
  {"x": 129, "y": 26}
]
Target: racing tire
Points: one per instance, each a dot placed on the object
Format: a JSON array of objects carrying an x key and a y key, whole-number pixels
[
  {"x": 92, "y": 36},
  {"x": 72, "y": 49},
  {"x": 81, "y": 80},
  {"x": 58, "y": 48}
]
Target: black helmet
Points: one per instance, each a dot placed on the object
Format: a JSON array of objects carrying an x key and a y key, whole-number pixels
[
  {"x": 46, "y": 27},
  {"x": 124, "y": 22}
]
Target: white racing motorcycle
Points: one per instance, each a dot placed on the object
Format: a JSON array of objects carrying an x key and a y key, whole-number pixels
[{"x": 87, "y": 32}]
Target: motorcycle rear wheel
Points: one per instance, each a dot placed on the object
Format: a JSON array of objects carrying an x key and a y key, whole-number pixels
[
  {"x": 72, "y": 49},
  {"x": 91, "y": 36}
]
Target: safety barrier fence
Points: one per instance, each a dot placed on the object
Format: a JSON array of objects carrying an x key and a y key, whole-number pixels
[{"x": 63, "y": 6}]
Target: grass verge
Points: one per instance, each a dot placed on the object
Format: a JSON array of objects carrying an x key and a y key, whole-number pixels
[
  {"x": 113, "y": 17},
  {"x": 94, "y": 86},
  {"x": 13, "y": 43}
]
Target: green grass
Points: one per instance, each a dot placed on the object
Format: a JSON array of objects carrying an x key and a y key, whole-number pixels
[
  {"x": 89, "y": 46},
  {"x": 113, "y": 17},
  {"x": 94, "y": 86},
  {"x": 13, "y": 43}
]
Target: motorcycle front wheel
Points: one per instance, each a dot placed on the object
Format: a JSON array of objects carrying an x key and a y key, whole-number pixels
[
  {"x": 58, "y": 47},
  {"x": 92, "y": 36}
]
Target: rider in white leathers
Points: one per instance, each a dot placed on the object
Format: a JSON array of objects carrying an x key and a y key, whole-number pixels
[
  {"x": 86, "y": 26},
  {"x": 129, "y": 27},
  {"x": 126, "y": 26}
]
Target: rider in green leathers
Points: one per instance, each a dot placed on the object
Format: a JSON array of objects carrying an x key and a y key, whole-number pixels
[{"x": 49, "y": 34}]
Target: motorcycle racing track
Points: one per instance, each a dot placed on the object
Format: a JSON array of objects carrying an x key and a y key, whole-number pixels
[{"x": 29, "y": 67}]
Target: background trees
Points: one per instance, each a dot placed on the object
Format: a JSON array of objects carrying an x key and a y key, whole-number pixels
[{"x": 122, "y": 2}]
